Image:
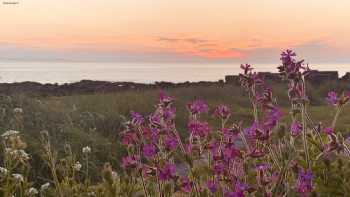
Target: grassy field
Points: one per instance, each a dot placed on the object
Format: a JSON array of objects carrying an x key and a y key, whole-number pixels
[{"x": 96, "y": 120}]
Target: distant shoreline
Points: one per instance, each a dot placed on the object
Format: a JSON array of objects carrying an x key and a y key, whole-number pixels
[{"x": 94, "y": 86}]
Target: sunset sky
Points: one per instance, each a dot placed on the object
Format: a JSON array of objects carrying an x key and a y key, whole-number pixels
[{"x": 174, "y": 30}]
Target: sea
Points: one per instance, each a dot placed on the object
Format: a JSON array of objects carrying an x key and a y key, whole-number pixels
[{"x": 68, "y": 72}]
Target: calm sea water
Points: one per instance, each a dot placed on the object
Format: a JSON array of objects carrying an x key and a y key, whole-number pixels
[{"x": 62, "y": 72}]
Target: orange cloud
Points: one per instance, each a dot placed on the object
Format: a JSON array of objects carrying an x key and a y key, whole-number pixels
[{"x": 217, "y": 54}]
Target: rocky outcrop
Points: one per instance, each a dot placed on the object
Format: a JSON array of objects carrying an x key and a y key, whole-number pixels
[
  {"x": 231, "y": 79},
  {"x": 315, "y": 77},
  {"x": 270, "y": 76},
  {"x": 346, "y": 77},
  {"x": 319, "y": 77}
]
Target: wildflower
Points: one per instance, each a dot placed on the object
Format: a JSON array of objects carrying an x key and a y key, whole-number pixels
[
  {"x": 115, "y": 175},
  {"x": 154, "y": 135},
  {"x": 32, "y": 191},
  {"x": 91, "y": 194},
  {"x": 17, "y": 154},
  {"x": 17, "y": 110},
  {"x": 272, "y": 118},
  {"x": 239, "y": 189},
  {"x": 266, "y": 98},
  {"x": 130, "y": 161},
  {"x": 212, "y": 186},
  {"x": 3, "y": 171},
  {"x": 213, "y": 147},
  {"x": 156, "y": 119},
  {"x": 149, "y": 151},
  {"x": 9, "y": 133},
  {"x": 304, "y": 183},
  {"x": 249, "y": 78},
  {"x": 167, "y": 172},
  {"x": 219, "y": 168},
  {"x": 262, "y": 179},
  {"x": 197, "y": 107},
  {"x": 332, "y": 98},
  {"x": 329, "y": 130},
  {"x": 77, "y": 166},
  {"x": 262, "y": 167},
  {"x": 231, "y": 133},
  {"x": 247, "y": 68},
  {"x": 136, "y": 118},
  {"x": 230, "y": 152},
  {"x": 295, "y": 128},
  {"x": 188, "y": 148},
  {"x": 234, "y": 194},
  {"x": 256, "y": 153},
  {"x": 18, "y": 177},
  {"x": 250, "y": 131},
  {"x": 222, "y": 111},
  {"x": 86, "y": 150},
  {"x": 165, "y": 99},
  {"x": 198, "y": 128},
  {"x": 287, "y": 57},
  {"x": 170, "y": 142},
  {"x": 169, "y": 113},
  {"x": 185, "y": 184},
  {"x": 44, "y": 187},
  {"x": 129, "y": 138},
  {"x": 257, "y": 132},
  {"x": 240, "y": 186}
]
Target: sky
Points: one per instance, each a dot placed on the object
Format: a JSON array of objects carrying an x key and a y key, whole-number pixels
[{"x": 174, "y": 30}]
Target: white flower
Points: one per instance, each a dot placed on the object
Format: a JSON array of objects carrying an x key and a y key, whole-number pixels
[
  {"x": 18, "y": 110},
  {"x": 77, "y": 166},
  {"x": 86, "y": 150},
  {"x": 3, "y": 171},
  {"x": 9, "y": 133},
  {"x": 114, "y": 175},
  {"x": 18, "y": 177},
  {"x": 18, "y": 154},
  {"x": 45, "y": 186},
  {"x": 32, "y": 191},
  {"x": 91, "y": 194},
  {"x": 22, "y": 154}
]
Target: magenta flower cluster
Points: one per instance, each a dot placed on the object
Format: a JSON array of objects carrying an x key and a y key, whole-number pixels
[{"x": 232, "y": 159}]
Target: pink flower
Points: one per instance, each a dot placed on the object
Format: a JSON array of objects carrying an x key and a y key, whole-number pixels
[
  {"x": 295, "y": 128},
  {"x": 169, "y": 113},
  {"x": 328, "y": 130},
  {"x": 129, "y": 138},
  {"x": 212, "y": 186},
  {"x": 171, "y": 142},
  {"x": 149, "y": 151},
  {"x": 222, "y": 111},
  {"x": 304, "y": 184},
  {"x": 198, "y": 128},
  {"x": 165, "y": 99},
  {"x": 136, "y": 118},
  {"x": 262, "y": 167},
  {"x": 332, "y": 98},
  {"x": 167, "y": 172},
  {"x": 230, "y": 153},
  {"x": 197, "y": 107},
  {"x": 247, "y": 68},
  {"x": 219, "y": 168},
  {"x": 185, "y": 184},
  {"x": 130, "y": 161}
]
